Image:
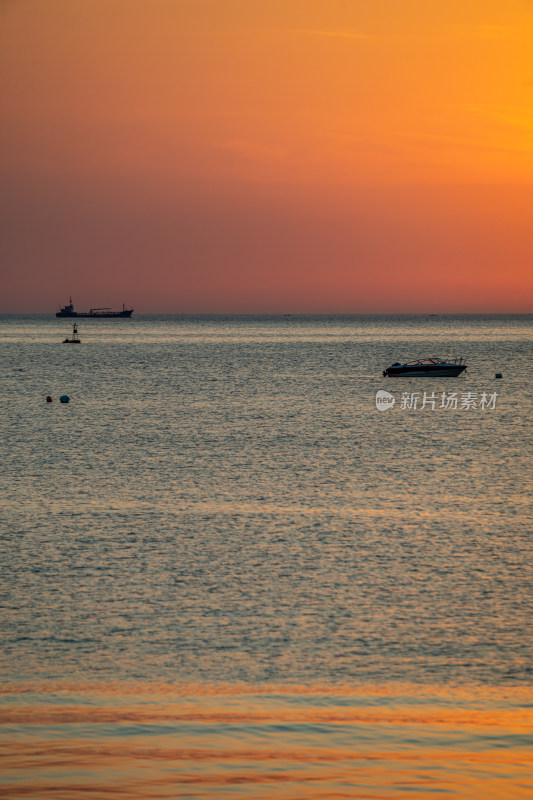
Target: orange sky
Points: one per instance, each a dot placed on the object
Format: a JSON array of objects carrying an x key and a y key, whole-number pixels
[{"x": 289, "y": 155}]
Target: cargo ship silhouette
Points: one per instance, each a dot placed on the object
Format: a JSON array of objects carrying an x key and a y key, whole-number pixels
[{"x": 68, "y": 311}]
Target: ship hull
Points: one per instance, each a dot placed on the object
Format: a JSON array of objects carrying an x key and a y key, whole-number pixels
[
  {"x": 433, "y": 371},
  {"x": 96, "y": 315}
]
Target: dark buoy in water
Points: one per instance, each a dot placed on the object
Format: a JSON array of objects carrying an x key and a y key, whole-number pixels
[
  {"x": 498, "y": 375},
  {"x": 64, "y": 398},
  {"x": 74, "y": 339},
  {"x": 48, "y": 398}
]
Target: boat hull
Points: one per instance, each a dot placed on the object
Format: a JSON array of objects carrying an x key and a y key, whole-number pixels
[
  {"x": 427, "y": 372},
  {"x": 97, "y": 315}
]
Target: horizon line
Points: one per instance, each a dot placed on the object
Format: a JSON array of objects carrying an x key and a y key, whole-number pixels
[{"x": 287, "y": 313}]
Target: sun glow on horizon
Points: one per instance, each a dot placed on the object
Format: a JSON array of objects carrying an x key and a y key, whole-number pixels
[{"x": 173, "y": 140}]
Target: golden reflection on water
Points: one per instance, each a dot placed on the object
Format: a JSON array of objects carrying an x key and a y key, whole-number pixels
[
  {"x": 149, "y": 742},
  {"x": 218, "y": 713}
]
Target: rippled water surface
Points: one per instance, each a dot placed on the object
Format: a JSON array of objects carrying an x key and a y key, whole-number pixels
[{"x": 225, "y": 572}]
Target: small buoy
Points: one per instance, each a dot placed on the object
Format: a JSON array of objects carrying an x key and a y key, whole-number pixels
[
  {"x": 64, "y": 398},
  {"x": 498, "y": 375},
  {"x": 74, "y": 339},
  {"x": 48, "y": 398}
]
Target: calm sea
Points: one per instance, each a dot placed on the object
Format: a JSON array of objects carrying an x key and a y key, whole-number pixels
[{"x": 226, "y": 573}]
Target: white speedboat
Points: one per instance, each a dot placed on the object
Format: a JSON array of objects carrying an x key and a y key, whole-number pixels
[{"x": 434, "y": 367}]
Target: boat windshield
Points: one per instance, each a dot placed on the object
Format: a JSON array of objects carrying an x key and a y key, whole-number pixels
[{"x": 426, "y": 361}]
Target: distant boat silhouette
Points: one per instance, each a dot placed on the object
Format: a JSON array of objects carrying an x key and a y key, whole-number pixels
[
  {"x": 434, "y": 367},
  {"x": 74, "y": 339},
  {"x": 95, "y": 313}
]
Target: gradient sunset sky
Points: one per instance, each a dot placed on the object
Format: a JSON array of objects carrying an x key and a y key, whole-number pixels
[{"x": 267, "y": 155}]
